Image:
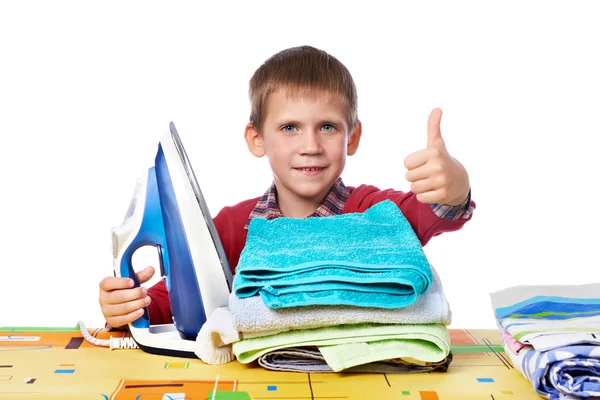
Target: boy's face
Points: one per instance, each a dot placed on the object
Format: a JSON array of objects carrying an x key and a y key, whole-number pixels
[{"x": 306, "y": 140}]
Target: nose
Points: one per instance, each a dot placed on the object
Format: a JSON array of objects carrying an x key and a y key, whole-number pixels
[{"x": 310, "y": 143}]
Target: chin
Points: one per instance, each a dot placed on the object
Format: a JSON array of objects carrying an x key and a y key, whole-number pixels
[{"x": 310, "y": 190}]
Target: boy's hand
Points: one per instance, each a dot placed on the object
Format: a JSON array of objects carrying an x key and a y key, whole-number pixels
[
  {"x": 120, "y": 303},
  {"x": 435, "y": 176}
]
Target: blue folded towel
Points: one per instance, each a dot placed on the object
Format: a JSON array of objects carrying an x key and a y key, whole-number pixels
[
  {"x": 570, "y": 372},
  {"x": 549, "y": 316},
  {"x": 370, "y": 259}
]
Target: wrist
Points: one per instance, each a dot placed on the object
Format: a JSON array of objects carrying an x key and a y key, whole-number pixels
[{"x": 459, "y": 200}]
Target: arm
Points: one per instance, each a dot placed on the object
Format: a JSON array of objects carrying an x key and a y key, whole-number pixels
[
  {"x": 440, "y": 196},
  {"x": 159, "y": 308},
  {"x": 452, "y": 213},
  {"x": 421, "y": 216},
  {"x": 440, "y": 181}
]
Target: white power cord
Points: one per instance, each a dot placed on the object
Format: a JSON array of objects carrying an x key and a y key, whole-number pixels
[{"x": 113, "y": 342}]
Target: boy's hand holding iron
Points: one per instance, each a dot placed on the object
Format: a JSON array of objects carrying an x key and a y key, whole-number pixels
[
  {"x": 120, "y": 302},
  {"x": 436, "y": 176}
]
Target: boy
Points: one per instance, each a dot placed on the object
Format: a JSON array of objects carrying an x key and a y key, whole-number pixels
[{"x": 304, "y": 119}]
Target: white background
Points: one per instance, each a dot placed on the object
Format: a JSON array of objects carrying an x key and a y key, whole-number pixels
[{"x": 86, "y": 90}]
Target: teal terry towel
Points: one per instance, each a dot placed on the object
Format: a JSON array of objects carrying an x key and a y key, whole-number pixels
[{"x": 370, "y": 259}]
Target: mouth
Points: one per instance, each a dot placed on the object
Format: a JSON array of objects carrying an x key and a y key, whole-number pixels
[{"x": 310, "y": 170}]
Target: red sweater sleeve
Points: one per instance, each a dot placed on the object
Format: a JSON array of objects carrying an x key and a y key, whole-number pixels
[
  {"x": 159, "y": 308},
  {"x": 420, "y": 216},
  {"x": 229, "y": 222}
]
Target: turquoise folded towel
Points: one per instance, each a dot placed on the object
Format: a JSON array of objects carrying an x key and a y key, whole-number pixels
[{"x": 370, "y": 259}]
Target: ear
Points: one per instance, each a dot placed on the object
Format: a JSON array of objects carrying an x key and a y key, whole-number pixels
[
  {"x": 254, "y": 141},
  {"x": 354, "y": 139}
]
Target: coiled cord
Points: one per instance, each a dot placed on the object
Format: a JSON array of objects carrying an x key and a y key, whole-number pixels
[{"x": 113, "y": 342}]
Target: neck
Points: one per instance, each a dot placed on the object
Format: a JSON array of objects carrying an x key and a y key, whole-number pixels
[{"x": 298, "y": 207}]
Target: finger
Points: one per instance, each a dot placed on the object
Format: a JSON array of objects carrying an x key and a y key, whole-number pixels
[
  {"x": 111, "y": 283},
  {"x": 145, "y": 274},
  {"x": 437, "y": 196},
  {"x": 123, "y": 296},
  {"x": 422, "y": 172},
  {"x": 416, "y": 159},
  {"x": 423, "y": 186},
  {"x": 122, "y": 320},
  {"x": 434, "y": 132},
  {"x": 115, "y": 310}
]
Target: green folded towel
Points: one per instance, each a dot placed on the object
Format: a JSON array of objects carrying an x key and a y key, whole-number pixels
[
  {"x": 346, "y": 346},
  {"x": 421, "y": 350}
]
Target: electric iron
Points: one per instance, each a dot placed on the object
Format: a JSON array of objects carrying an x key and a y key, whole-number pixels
[{"x": 169, "y": 212}]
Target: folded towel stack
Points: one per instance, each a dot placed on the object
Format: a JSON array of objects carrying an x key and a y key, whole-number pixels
[
  {"x": 351, "y": 292},
  {"x": 552, "y": 335}
]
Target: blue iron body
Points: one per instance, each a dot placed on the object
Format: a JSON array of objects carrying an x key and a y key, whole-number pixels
[{"x": 169, "y": 212}]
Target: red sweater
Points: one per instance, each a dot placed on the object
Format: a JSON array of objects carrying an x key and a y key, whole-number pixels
[{"x": 231, "y": 220}]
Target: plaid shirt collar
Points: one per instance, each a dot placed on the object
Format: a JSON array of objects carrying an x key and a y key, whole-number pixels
[{"x": 334, "y": 203}]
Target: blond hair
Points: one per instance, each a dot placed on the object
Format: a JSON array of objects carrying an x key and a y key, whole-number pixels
[{"x": 301, "y": 71}]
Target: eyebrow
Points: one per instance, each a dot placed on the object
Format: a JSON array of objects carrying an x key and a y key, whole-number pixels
[{"x": 323, "y": 121}]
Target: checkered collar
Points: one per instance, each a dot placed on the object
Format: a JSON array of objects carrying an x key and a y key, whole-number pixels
[{"x": 266, "y": 206}]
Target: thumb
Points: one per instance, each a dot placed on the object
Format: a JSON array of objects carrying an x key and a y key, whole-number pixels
[
  {"x": 434, "y": 133},
  {"x": 145, "y": 274}
]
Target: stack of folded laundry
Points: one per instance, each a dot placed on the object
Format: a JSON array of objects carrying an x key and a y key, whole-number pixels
[
  {"x": 552, "y": 335},
  {"x": 351, "y": 292}
]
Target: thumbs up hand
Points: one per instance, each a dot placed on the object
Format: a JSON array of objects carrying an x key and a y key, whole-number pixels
[{"x": 436, "y": 176}]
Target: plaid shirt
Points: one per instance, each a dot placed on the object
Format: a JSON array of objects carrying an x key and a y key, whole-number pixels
[{"x": 266, "y": 206}]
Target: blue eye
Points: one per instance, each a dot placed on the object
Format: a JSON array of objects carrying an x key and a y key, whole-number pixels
[
  {"x": 331, "y": 127},
  {"x": 285, "y": 128}
]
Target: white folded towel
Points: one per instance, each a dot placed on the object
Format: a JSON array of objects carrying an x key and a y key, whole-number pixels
[{"x": 253, "y": 319}]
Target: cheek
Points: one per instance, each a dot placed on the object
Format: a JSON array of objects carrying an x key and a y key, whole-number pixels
[
  {"x": 278, "y": 155},
  {"x": 338, "y": 151}
]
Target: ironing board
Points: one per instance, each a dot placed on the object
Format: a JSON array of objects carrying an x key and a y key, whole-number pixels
[{"x": 57, "y": 363}]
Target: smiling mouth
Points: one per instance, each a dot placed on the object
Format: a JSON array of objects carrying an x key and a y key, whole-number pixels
[{"x": 307, "y": 169}]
